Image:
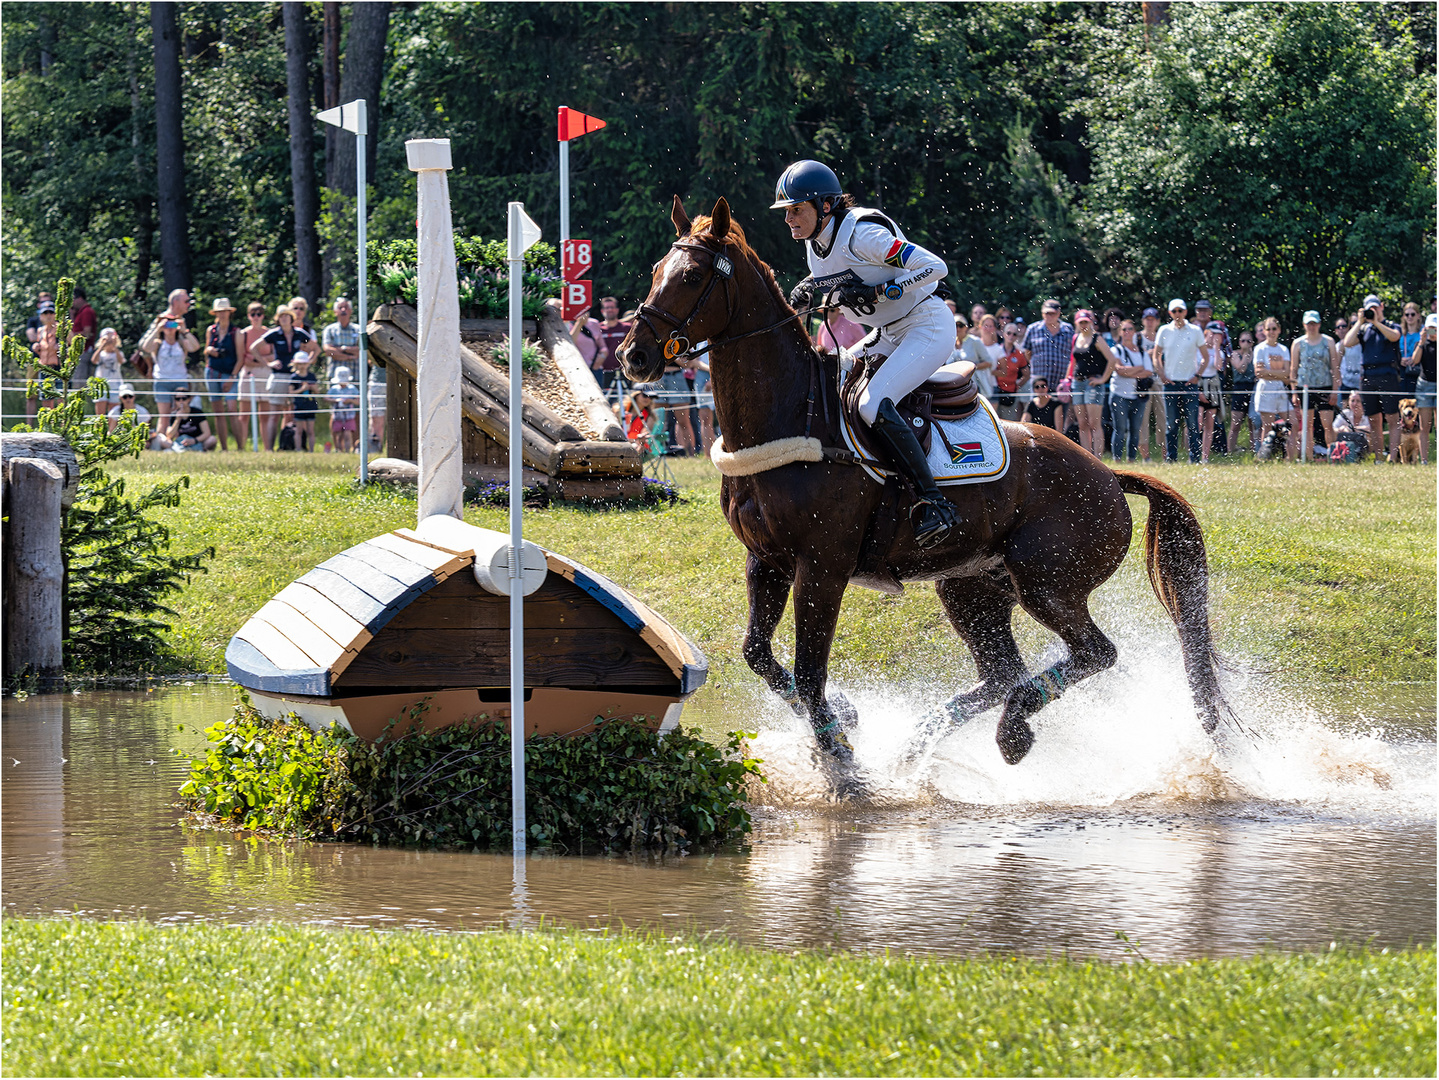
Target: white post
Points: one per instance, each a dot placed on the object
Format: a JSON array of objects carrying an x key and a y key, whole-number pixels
[
  {"x": 522, "y": 235},
  {"x": 352, "y": 117},
  {"x": 361, "y": 262},
  {"x": 564, "y": 192},
  {"x": 437, "y": 386},
  {"x": 1304, "y": 425}
]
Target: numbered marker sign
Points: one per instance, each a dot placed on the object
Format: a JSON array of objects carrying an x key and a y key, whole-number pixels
[
  {"x": 578, "y": 296},
  {"x": 576, "y": 259}
]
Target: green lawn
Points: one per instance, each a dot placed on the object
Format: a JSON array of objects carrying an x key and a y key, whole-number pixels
[
  {"x": 1318, "y": 571},
  {"x": 112, "y": 999}
]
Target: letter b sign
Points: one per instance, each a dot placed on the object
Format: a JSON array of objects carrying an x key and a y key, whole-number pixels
[{"x": 578, "y": 296}]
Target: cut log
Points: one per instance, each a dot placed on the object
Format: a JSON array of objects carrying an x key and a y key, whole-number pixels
[
  {"x": 34, "y": 568},
  {"x": 596, "y": 459},
  {"x": 46, "y": 447},
  {"x": 555, "y": 337},
  {"x": 574, "y": 487}
]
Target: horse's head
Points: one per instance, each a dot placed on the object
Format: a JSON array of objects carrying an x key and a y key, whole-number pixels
[{"x": 693, "y": 295}]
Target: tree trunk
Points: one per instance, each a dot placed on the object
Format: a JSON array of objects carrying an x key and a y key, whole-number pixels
[
  {"x": 364, "y": 68},
  {"x": 302, "y": 154},
  {"x": 170, "y": 148},
  {"x": 332, "y": 84},
  {"x": 34, "y": 573},
  {"x": 144, "y": 203}
]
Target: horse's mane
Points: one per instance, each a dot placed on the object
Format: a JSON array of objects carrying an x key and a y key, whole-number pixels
[{"x": 701, "y": 225}]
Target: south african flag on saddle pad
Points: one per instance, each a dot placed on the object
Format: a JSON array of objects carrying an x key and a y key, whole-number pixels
[{"x": 968, "y": 451}]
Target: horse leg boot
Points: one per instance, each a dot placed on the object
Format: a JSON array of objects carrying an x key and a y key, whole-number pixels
[{"x": 937, "y": 517}]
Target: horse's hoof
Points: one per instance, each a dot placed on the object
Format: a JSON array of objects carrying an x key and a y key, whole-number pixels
[
  {"x": 845, "y": 714},
  {"x": 834, "y": 743},
  {"x": 1015, "y": 738}
]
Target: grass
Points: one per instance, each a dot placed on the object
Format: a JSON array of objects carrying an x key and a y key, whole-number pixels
[
  {"x": 135, "y": 999},
  {"x": 1318, "y": 571}
]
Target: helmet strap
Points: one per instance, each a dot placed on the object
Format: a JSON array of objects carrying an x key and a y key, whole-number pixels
[{"x": 820, "y": 216}]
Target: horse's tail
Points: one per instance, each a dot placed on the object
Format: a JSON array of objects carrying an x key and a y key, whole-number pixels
[{"x": 1179, "y": 571}]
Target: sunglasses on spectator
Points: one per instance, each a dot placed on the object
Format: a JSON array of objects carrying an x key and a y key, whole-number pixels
[{"x": 127, "y": 397}]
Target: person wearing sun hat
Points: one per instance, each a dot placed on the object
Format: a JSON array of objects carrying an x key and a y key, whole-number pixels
[
  {"x": 1176, "y": 363},
  {"x": 1314, "y": 359},
  {"x": 223, "y": 349}
]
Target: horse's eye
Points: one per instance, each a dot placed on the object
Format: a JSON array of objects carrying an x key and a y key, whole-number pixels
[{"x": 693, "y": 276}]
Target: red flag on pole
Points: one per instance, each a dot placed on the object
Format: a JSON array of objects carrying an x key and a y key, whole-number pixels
[{"x": 574, "y": 123}]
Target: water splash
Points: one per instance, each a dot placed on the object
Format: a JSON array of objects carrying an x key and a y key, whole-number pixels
[{"x": 1128, "y": 735}]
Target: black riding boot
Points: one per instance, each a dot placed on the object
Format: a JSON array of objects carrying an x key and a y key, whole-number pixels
[{"x": 937, "y": 516}]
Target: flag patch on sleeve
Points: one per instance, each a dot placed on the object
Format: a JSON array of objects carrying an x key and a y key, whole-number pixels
[{"x": 899, "y": 253}]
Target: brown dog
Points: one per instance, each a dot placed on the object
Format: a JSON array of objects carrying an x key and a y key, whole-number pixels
[{"x": 1409, "y": 445}]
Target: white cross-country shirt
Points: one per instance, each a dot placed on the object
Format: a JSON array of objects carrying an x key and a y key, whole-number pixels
[{"x": 875, "y": 252}]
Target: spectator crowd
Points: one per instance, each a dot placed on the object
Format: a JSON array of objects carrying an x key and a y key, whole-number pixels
[
  {"x": 1356, "y": 387},
  {"x": 214, "y": 382}
]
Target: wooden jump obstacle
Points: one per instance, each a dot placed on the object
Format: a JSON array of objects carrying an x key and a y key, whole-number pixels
[
  {"x": 577, "y": 466},
  {"x": 406, "y": 617}
]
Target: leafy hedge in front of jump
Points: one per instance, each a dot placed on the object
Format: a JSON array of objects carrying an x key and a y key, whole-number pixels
[
  {"x": 482, "y": 276},
  {"x": 620, "y": 786}
]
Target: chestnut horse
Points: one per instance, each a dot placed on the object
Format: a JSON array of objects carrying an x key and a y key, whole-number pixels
[{"x": 1044, "y": 536}]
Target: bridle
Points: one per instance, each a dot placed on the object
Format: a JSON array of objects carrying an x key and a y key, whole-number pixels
[{"x": 721, "y": 270}]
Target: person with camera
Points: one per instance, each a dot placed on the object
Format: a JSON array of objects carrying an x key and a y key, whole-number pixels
[
  {"x": 170, "y": 349},
  {"x": 1379, "y": 343}
]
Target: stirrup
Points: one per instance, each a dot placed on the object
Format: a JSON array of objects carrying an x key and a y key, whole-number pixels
[{"x": 937, "y": 520}]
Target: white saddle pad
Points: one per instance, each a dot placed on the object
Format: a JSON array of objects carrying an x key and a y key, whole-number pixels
[{"x": 981, "y": 452}]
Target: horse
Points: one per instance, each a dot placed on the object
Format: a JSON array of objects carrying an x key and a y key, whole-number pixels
[{"x": 1044, "y": 536}]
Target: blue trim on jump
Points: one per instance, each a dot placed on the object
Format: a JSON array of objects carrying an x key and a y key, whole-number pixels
[{"x": 254, "y": 671}]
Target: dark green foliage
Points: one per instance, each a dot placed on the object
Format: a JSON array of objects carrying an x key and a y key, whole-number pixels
[
  {"x": 619, "y": 787},
  {"x": 118, "y": 566},
  {"x": 483, "y": 273},
  {"x": 1038, "y": 147},
  {"x": 1295, "y": 172}
]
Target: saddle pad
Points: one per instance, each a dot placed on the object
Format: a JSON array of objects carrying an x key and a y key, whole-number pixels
[{"x": 981, "y": 452}]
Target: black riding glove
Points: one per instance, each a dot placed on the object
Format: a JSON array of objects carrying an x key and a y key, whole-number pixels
[
  {"x": 858, "y": 297},
  {"x": 802, "y": 295}
]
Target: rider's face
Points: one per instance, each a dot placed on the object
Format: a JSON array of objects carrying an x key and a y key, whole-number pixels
[{"x": 801, "y": 219}]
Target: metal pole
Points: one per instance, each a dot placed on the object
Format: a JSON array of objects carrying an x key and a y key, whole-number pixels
[
  {"x": 1304, "y": 425},
  {"x": 517, "y": 599},
  {"x": 564, "y": 194},
  {"x": 364, "y": 312}
]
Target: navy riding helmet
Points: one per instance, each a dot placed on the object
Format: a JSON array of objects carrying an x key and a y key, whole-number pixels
[{"x": 807, "y": 181}]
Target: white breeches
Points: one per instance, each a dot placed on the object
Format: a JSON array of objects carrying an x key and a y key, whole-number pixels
[{"x": 918, "y": 345}]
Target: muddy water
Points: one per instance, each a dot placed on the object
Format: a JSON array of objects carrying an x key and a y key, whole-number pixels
[{"x": 1319, "y": 826}]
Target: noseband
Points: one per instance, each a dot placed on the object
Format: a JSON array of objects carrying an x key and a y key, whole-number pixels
[{"x": 676, "y": 344}]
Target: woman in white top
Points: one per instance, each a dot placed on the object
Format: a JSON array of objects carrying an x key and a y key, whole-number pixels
[
  {"x": 967, "y": 347},
  {"x": 1126, "y": 403},
  {"x": 992, "y": 349},
  {"x": 108, "y": 357},
  {"x": 170, "y": 349},
  {"x": 1271, "y": 392}
]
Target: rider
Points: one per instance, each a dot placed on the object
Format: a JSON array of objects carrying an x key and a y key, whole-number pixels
[{"x": 887, "y": 283}]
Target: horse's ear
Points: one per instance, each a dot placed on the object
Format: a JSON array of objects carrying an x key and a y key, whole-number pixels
[
  {"x": 719, "y": 220},
  {"x": 680, "y": 218}
]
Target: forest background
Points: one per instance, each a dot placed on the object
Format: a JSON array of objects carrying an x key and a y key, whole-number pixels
[{"x": 1270, "y": 156}]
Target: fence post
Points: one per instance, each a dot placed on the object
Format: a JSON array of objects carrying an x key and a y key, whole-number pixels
[{"x": 34, "y": 568}]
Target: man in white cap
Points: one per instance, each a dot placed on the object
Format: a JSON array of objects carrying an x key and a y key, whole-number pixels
[
  {"x": 1379, "y": 343},
  {"x": 1176, "y": 364}
]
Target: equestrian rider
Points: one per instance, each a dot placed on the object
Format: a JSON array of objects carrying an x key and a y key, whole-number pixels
[{"x": 888, "y": 284}]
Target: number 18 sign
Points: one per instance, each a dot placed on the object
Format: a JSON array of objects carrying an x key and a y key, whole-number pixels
[{"x": 576, "y": 259}]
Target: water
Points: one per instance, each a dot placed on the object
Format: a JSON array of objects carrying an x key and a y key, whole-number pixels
[{"x": 1123, "y": 820}]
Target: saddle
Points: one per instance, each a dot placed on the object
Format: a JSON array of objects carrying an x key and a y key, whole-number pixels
[{"x": 950, "y": 395}]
